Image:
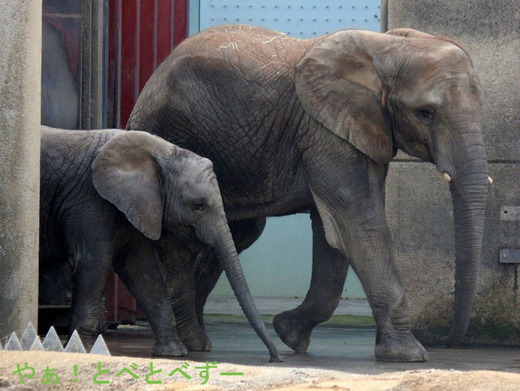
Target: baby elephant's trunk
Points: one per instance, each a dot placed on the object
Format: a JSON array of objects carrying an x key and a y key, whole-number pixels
[{"x": 227, "y": 254}]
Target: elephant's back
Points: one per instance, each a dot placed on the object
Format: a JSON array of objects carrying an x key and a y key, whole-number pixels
[
  {"x": 228, "y": 94},
  {"x": 66, "y": 171},
  {"x": 259, "y": 55},
  {"x": 240, "y": 41},
  {"x": 223, "y": 77}
]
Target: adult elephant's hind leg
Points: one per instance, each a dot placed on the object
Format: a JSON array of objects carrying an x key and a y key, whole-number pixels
[
  {"x": 329, "y": 271},
  {"x": 207, "y": 273}
]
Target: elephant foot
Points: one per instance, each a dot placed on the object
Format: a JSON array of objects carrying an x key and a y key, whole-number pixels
[
  {"x": 87, "y": 335},
  {"x": 169, "y": 349},
  {"x": 196, "y": 340},
  {"x": 290, "y": 330},
  {"x": 402, "y": 347}
]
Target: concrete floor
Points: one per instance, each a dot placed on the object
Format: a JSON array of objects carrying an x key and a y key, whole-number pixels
[
  {"x": 275, "y": 305},
  {"x": 344, "y": 349}
]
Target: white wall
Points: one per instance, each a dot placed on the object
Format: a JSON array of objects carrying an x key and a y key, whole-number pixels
[{"x": 279, "y": 263}]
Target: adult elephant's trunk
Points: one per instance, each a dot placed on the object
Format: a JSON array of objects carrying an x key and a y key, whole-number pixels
[
  {"x": 469, "y": 192},
  {"x": 227, "y": 254}
]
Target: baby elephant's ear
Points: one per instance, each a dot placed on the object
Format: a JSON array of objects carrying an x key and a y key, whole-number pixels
[{"x": 125, "y": 172}]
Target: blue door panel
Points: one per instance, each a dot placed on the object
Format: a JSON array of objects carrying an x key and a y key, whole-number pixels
[{"x": 304, "y": 19}]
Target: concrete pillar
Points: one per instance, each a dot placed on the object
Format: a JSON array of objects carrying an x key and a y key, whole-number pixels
[
  {"x": 20, "y": 68},
  {"x": 418, "y": 201}
]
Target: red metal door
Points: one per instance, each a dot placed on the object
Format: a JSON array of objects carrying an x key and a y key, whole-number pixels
[{"x": 141, "y": 35}]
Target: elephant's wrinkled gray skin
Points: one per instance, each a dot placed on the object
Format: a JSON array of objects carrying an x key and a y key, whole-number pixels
[
  {"x": 295, "y": 124},
  {"x": 107, "y": 197}
]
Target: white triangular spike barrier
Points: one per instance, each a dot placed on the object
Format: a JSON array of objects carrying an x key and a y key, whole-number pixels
[
  {"x": 28, "y": 337},
  {"x": 31, "y": 341},
  {"x": 52, "y": 342},
  {"x": 100, "y": 347},
  {"x": 75, "y": 345},
  {"x": 37, "y": 344},
  {"x": 13, "y": 343}
]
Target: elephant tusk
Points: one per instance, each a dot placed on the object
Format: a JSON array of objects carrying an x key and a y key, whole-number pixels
[
  {"x": 490, "y": 180},
  {"x": 447, "y": 177}
]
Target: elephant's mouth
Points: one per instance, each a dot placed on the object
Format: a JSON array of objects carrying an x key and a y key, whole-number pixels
[
  {"x": 412, "y": 147},
  {"x": 202, "y": 236},
  {"x": 187, "y": 234}
]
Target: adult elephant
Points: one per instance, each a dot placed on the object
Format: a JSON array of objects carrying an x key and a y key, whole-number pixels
[{"x": 297, "y": 124}]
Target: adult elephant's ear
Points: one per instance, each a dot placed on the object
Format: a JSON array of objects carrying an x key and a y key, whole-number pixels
[
  {"x": 339, "y": 87},
  {"x": 125, "y": 172}
]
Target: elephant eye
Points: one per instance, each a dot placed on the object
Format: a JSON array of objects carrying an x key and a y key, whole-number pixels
[
  {"x": 425, "y": 113},
  {"x": 198, "y": 206}
]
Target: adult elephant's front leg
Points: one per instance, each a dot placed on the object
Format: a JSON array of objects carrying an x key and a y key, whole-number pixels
[
  {"x": 348, "y": 189},
  {"x": 329, "y": 271}
]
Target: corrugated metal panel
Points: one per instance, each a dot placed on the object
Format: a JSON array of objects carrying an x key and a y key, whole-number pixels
[
  {"x": 305, "y": 18},
  {"x": 142, "y": 34}
]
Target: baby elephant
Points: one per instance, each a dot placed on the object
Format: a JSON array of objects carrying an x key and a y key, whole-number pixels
[{"x": 107, "y": 197}]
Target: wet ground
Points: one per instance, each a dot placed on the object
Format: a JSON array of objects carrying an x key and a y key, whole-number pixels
[
  {"x": 338, "y": 358},
  {"x": 331, "y": 348}
]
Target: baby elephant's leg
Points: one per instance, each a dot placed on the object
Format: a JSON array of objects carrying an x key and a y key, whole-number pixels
[
  {"x": 89, "y": 280},
  {"x": 178, "y": 261},
  {"x": 138, "y": 269}
]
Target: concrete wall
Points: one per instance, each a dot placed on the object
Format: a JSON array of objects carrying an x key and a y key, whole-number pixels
[
  {"x": 20, "y": 68},
  {"x": 418, "y": 200}
]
